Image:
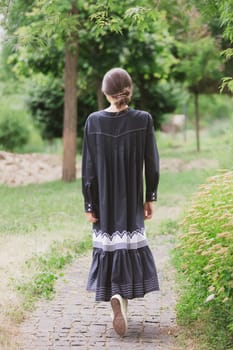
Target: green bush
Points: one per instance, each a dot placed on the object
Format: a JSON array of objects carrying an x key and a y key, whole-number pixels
[
  {"x": 13, "y": 132},
  {"x": 12, "y": 106},
  {"x": 205, "y": 257},
  {"x": 45, "y": 104}
]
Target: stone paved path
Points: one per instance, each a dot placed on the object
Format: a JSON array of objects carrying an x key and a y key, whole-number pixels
[{"x": 73, "y": 320}]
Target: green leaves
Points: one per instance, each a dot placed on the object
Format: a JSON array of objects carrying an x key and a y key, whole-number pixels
[
  {"x": 227, "y": 82},
  {"x": 206, "y": 248},
  {"x": 141, "y": 16},
  {"x": 48, "y": 20},
  {"x": 199, "y": 55},
  {"x": 56, "y": 20},
  {"x": 221, "y": 12},
  {"x": 13, "y": 132}
]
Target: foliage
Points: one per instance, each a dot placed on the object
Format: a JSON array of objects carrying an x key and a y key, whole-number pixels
[
  {"x": 148, "y": 39},
  {"x": 100, "y": 47},
  {"x": 213, "y": 107},
  {"x": 12, "y": 106},
  {"x": 168, "y": 227},
  {"x": 227, "y": 82},
  {"x": 220, "y": 9},
  {"x": 199, "y": 53},
  {"x": 13, "y": 133},
  {"x": 49, "y": 266},
  {"x": 221, "y": 13},
  {"x": 205, "y": 257},
  {"x": 158, "y": 98},
  {"x": 46, "y": 104}
]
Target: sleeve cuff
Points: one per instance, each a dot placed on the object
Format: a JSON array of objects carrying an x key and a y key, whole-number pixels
[
  {"x": 151, "y": 196},
  {"x": 88, "y": 208}
]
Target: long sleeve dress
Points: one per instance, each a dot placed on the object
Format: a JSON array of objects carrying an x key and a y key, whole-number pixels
[{"x": 118, "y": 149}]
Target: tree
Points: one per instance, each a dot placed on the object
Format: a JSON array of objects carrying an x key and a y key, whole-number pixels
[
  {"x": 145, "y": 54},
  {"x": 221, "y": 12},
  {"x": 70, "y": 105},
  {"x": 200, "y": 66},
  {"x": 198, "y": 45},
  {"x": 58, "y": 22},
  {"x": 148, "y": 57},
  {"x": 62, "y": 21}
]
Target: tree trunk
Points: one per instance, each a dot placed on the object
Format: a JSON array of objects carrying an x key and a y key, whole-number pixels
[
  {"x": 100, "y": 96},
  {"x": 70, "y": 110},
  {"x": 197, "y": 120}
]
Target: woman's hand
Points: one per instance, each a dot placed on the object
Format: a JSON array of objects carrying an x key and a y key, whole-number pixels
[
  {"x": 148, "y": 210},
  {"x": 91, "y": 217}
]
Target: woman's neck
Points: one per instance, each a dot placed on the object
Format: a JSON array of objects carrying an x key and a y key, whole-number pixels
[{"x": 112, "y": 108}]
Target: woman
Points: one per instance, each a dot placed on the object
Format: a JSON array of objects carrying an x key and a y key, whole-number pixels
[{"x": 118, "y": 144}]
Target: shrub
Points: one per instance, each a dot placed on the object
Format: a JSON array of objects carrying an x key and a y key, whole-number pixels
[
  {"x": 13, "y": 132},
  {"x": 205, "y": 257},
  {"x": 45, "y": 104}
]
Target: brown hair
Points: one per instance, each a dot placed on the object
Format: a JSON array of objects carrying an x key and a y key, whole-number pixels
[{"x": 117, "y": 83}]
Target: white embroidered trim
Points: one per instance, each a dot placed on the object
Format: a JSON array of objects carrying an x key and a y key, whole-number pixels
[{"x": 119, "y": 240}]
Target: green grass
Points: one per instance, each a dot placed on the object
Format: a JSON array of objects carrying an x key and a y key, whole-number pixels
[
  {"x": 54, "y": 206},
  {"x": 215, "y": 143},
  {"x": 58, "y": 207},
  {"x": 175, "y": 191},
  {"x": 168, "y": 227},
  {"x": 175, "y": 188},
  {"x": 52, "y": 212},
  {"x": 49, "y": 268}
]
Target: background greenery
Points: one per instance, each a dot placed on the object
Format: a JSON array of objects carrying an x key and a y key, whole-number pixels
[
  {"x": 216, "y": 117},
  {"x": 173, "y": 54}
]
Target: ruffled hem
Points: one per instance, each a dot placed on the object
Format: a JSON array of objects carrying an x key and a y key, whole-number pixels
[{"x": 130, "y": 273}]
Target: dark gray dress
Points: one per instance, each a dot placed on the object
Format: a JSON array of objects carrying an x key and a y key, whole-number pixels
[{"x": 116, "y": 149}]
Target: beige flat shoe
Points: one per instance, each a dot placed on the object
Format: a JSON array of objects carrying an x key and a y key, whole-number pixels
[{"x": 119, "y": 308}]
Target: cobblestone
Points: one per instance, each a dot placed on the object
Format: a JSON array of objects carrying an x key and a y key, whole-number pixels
[{"x": 73, "y": 320}]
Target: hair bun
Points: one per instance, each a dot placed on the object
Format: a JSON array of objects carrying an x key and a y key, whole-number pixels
[{"x": 117, "y": 83}]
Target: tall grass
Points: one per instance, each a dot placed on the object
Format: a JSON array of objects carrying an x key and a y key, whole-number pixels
[{"x": 205, "y": 260}]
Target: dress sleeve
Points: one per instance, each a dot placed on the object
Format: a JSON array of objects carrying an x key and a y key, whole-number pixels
[
  {"x": 88, "y": 174},
  {"x": 151, "y": 163}
]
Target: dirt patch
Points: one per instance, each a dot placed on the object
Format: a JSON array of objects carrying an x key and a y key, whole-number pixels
[
  {"x": 23, "y": 169},
  {"x": 178, "y": 165}
]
